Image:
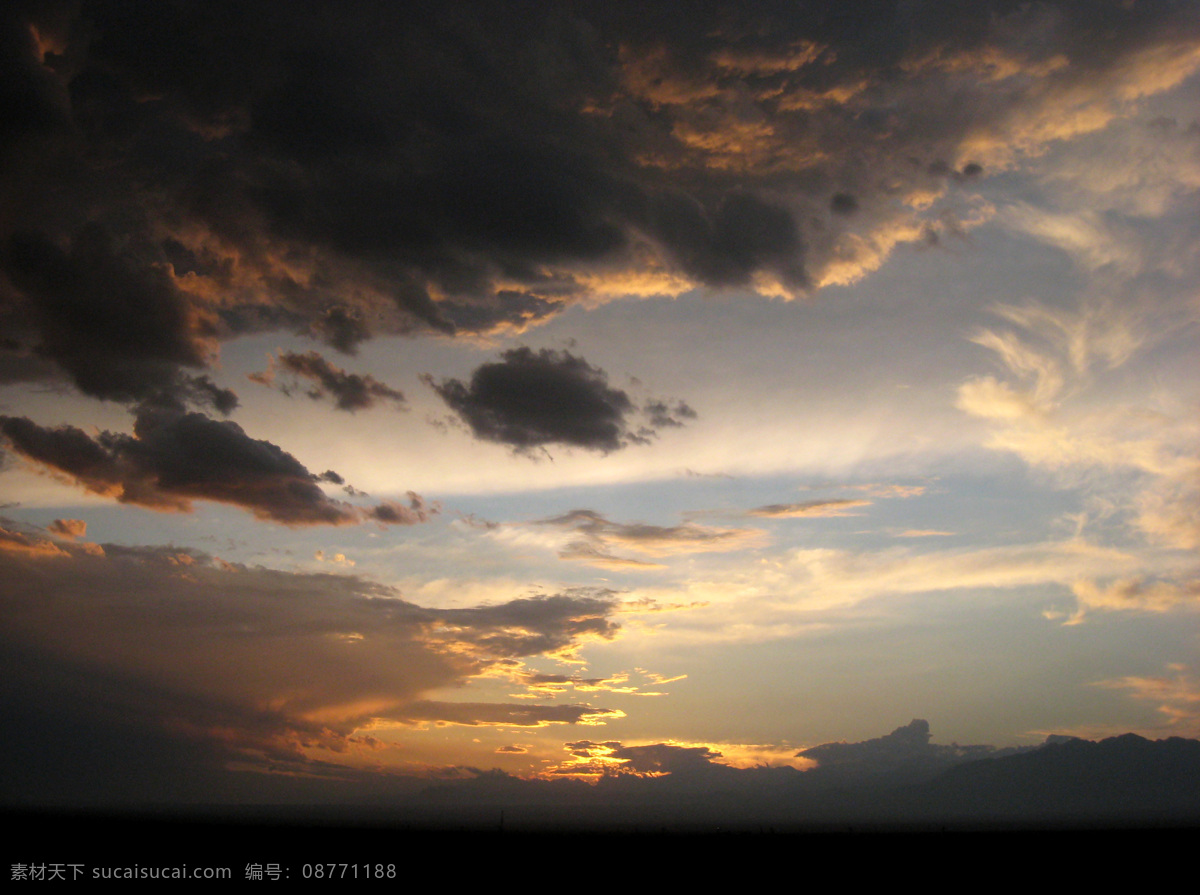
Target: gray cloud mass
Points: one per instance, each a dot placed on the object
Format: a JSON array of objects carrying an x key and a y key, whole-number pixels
[
  {"x": 349, "y": 391},
  {"x": 322, "y": 173},
  {"x": 223, "y": 662},
  {"x": 174, "y": 457},
  {"x": 531, "y": 399}
]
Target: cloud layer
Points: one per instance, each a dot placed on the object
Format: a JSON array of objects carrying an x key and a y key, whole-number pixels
[
  {"x": 255, "y": 664},
  {"x": 326, "y": 177}
]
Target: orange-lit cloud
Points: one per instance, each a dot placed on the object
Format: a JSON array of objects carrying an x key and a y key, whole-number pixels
[
  {"x": 1175, "y": 695},
  {"x": 305, "y": 660},
  {"x": 809, "y": 508},
  {"x": 68, "y": 528},
  {"x": 17, "y": 542},
  {"x": 1137, "y": 593},
  {"x": 589, "y": 759},
  {"x": 635, "y": 199},
  {"x": 543, "y": 684}
]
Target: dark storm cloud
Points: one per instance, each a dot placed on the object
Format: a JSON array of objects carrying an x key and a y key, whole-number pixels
[
  {"x": 350, "y": 391},
  {"x": 226, "y": 662},
  {"x": 173, "y": 458},
  {"x": 531, "y": 399},
  {"x": 113, "y": 321},
  {"x": 32, "y": 99},
  {"x": 180, "y": 173},
  {"x": 727, "y": 245}
]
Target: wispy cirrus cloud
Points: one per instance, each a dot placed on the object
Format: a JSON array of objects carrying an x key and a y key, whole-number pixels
[
  {"x": 1176, "y": 696},
  {"x": 793, "y": 590},
  {"x": 809, "y": 509},
  {"x": 1045, "y": 412}
]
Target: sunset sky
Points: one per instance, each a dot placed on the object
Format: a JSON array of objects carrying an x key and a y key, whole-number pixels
[{"x": 404, "y": 389}]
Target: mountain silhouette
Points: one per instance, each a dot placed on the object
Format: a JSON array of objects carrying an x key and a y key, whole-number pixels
[{"x": 1122, "y": 779}]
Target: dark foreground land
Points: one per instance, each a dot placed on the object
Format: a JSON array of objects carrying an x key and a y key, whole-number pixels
[{"x": 1126, "y": 793}]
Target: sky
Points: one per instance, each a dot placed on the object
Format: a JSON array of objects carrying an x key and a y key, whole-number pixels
[{"x": 395, "y": 392}]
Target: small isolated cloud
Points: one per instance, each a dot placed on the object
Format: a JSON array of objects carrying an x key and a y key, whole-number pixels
[
  {"x": 390, "y": 512},
  {"x": 470, "y": 520},
  {"x": 890, "y": 491},
  {"x": 808, "y": 508},
  {"x": 175, "y": 457},
  {"x": 663, "y": 415},
  {"x": 593, "y": 538},
  {"x": 337, "y": 558},
  {"x": 650, "y": 605},
  {"x": 515, "y": 749},
  {"x": 532, "y": 399},
  {"x": 68, "y": 528},
  {"x": 349, "y": 391}
]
